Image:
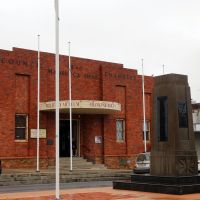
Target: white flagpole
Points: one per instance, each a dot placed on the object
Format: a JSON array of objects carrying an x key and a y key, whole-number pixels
[
  {"x": 38, "y": 108},
  {"x": 163, "y": 69},
  {"x": 70, "y": 108},
  {"x": 144, "y": 117},
  {"x": 57, "y": 98}
]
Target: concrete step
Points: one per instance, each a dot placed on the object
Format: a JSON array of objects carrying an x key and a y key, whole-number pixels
[
  {"x": 82, "y": 166},
  {"x": 78, "y": 163},
  {"x": 21, "y": 177},
  {"x": 75, "y": 159}
]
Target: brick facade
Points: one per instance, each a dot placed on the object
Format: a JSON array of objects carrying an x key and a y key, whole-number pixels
[{"x": 91, "y": 80}]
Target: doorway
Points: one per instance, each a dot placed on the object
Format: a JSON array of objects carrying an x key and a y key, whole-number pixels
[{"x": 65, "y": 138}]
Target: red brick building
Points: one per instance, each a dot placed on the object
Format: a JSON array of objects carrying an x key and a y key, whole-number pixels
[{"x": 107, "y": 110}]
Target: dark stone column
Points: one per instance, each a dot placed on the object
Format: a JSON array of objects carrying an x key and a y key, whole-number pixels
[{"x": 173, "y": 149}]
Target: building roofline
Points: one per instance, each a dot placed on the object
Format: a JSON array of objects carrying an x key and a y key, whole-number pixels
[{"x": 14, "y": 49}]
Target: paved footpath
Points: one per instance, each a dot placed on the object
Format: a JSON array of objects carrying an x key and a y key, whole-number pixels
[{"x": 99, "y": 193}]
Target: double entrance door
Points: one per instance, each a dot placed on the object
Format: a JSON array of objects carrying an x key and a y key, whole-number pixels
[{"x": 65, "y": 138}]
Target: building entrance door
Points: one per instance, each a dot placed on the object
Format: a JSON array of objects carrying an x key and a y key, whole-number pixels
[{"x": 65, "y": 138}]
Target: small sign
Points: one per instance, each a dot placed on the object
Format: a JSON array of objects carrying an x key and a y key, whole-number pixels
[
  {"x": 43, "y": 133},
  {"x": 98, "y": 139},
  {"x": 49, "y": 142}
]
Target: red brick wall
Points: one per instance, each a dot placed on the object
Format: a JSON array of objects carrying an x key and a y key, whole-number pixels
[
  {"x": 22, "y": 93},
  {"x": 91, "y": 80},
  {"x": 91, "y": 126}
]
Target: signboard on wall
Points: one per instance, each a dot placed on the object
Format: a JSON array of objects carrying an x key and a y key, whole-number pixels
[
  {"x": 98, "y": 139},
  {"x": 42, "y": 134},
  {"x": 82, "y": 104}
]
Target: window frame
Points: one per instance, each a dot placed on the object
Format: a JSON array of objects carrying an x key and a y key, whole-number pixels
[
  {"x": 123, "y": 130},
  {"x": 26, "y": 128}
]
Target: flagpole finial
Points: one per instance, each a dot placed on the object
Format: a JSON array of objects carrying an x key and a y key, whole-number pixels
[{"x": 163, "y": 66}]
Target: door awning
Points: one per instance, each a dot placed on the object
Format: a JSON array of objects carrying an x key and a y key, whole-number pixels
[{"x": 83, "y": 106}]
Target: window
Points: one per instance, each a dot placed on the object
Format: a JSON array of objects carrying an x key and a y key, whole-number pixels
[
  {"x": 21, "y": 126},
  {"x": 120, "y": 129},
  {"x": 147, "y": 127}
]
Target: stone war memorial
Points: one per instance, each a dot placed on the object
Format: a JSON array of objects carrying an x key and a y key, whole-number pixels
[{"x": 173, "y": 167}]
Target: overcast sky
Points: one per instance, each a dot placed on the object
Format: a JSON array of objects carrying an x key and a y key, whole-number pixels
[{"x": 122, "y": 31}]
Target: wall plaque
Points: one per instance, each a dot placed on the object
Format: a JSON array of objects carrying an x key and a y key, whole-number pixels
[
  {"x": 98, "y": 139},
  {"x": 43, "y": 133}
]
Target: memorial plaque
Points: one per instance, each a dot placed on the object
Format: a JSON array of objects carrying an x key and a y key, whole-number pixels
[
  {"x": 162, "y": 117},
  {"x": 182, "y": 115}
]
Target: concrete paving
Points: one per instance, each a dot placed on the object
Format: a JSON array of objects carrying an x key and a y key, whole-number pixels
[
  {"x": 99, "y": 193},
  {"x": 51, "y": 186},
  {"x": 98, "y": 190}
]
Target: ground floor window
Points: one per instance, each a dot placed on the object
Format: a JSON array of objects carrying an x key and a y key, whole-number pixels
[
  {"x": 147, "y": 128},
  {"x": 21, "y": 126},
  {"x": 120, "y": 130}
]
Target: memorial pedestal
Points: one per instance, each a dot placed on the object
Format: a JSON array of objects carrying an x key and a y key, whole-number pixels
[{"x": 161, "y": 184}]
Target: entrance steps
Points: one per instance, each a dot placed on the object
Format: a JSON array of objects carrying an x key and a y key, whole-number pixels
[
  {"x": 77, "y": 163},
  {"x": 28, "y": 176}
]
